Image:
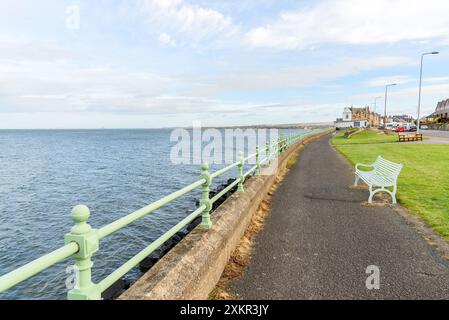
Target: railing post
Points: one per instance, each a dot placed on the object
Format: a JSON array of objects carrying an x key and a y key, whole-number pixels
[
  {"x": 240, "y": 176},
  {"x": 88, "y": 244},
  {"x": 268, "y": 153},
  {"x": 282, "y": 145},
  {"x": 279, "y": 146},
  {"x": 257, "y": 173},
  {"x": 206, "y": 222}
]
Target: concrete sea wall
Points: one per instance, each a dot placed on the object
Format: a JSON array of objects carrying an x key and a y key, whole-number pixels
[{"x": 193, "y": 267}]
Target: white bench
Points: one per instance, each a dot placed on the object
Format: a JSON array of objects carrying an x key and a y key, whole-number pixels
[{"x": 384, "y": 175}]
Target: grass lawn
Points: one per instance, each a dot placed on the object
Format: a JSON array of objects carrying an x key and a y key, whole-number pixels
[
  {"x": 423, "y": 185},
  {"x": 364, "y": 137}
]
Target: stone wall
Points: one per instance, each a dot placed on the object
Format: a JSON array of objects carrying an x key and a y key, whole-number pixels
[{"x": 440, "y": 126}]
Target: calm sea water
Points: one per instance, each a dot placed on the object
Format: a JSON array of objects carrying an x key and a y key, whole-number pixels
[{"x": 44, "y": 173}]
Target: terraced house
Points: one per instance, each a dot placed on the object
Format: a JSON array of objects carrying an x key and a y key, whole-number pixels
[{"x": 442, "y": 109}]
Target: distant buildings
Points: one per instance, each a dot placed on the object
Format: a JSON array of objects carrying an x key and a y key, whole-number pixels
[
  {"x": 442, "y": 109},
  {"x": 358, "y": 118},
  {"x": 403, "y": 118}
]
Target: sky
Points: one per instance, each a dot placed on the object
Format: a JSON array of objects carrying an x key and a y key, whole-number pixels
[{"x": 168, "y": 63}]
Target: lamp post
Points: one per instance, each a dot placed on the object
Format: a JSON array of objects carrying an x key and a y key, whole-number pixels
[
  {"x": 375, "y": 103},
  {"x": 375, "y": 109},
  {"x": 420, "y": 85},
  {"x": 386, "y": 96}
]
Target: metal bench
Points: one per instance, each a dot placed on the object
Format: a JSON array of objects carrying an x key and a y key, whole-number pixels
[
  {"x": 409, "y": 137},
  {"x": 384, "y": 175}
]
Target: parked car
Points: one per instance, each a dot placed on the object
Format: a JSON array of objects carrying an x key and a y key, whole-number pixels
[
  {"x": 400, "y": 129},
  {"x": 412, "y": 128},
  {"x": 424, "y": 127}
]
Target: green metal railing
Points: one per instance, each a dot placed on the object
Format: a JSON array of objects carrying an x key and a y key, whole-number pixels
[{"x": 83, "y": 241}]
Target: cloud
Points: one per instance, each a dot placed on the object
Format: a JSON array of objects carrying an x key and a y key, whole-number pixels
[
  {"x": 167, "y": 39},
  {"x": 52, "y": 82},
  {"x": 436, "y": 79},
  {"x": 354, "y": 22},
  {"x": 309, "y": 75},
  {"x": 382, "y": 81},
  {"x": 193, "y": 22}
]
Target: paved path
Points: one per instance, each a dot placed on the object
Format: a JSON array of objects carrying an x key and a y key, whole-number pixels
[
  {"x": 436, "y": 133},
  {"x": 320, "y": 239},
  {"x": 435, "y": 137}
]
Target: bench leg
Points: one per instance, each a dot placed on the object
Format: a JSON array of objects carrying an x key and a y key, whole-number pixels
[
  {"x": 391, "y": 193},
  {"x": 371, "y": 194},
  {"x": 393, "y": 197},
  {"x": 357, "y": 179}
]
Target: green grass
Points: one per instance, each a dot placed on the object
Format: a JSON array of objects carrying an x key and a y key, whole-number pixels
[
  {"x": 364, "y": 137},
  {"x": 423, "y": 185}
]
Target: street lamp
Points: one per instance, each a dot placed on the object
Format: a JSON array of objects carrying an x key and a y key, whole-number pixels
[
  {"x": 375, "y": 103},
  {"x": 375, "y": 109},
  {"x": 386, "y": 96},
  {"x": 420, "y": 84}
]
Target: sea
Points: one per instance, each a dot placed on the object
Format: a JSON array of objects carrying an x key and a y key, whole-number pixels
[{"x": 45, "y": 173}]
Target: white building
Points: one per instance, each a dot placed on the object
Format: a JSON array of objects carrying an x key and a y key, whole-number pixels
[{"x": 347, "y": 121}]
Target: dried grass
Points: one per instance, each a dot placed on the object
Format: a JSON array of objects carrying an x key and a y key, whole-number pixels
[{"x": 241, "y": 256}]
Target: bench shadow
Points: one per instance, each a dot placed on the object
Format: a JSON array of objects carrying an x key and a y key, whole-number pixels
[{"x": 353, "y": 194}]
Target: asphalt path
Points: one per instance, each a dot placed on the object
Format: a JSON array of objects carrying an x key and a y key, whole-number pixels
[{"x": 322, "y": 241}]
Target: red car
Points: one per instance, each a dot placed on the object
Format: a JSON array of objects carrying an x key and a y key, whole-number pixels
[{"x": 400, "y": 129}]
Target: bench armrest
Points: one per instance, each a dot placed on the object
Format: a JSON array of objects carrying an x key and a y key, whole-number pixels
[{"x": 363, "y": 165}]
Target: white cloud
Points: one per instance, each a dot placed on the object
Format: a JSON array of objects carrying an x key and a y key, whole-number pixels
[
  {"x": 382, "y": 81},
  {"x": 307, "y": 75},
  {"x": 53, "y": 83},
  {"x": 194, "y": 22},
  {"x": 355, "y": 22},
  {"x": 436, "y": 80},
  {"x": 167, "y": 39}
]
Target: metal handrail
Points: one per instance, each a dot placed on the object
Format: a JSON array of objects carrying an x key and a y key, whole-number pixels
[
  {"x": 34, "y": 267},
  {"x": 83, "y": 241},
  {"x": 131, "y": 263},
  {"x": 123, "y": 222}
]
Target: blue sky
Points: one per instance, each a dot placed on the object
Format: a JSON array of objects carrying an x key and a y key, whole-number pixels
[{"x": 164, "y": 63}]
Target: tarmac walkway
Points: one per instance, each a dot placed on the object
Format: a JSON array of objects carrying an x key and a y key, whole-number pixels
[{"x": 321, "y": 237}]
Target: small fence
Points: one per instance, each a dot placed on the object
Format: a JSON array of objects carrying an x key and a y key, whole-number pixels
[{"x": 83, "y": 241}]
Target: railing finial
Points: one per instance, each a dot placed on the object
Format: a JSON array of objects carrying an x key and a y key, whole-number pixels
[
  {"x": 80, "y": 214},
  {"x": 87, "y": 240}
]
